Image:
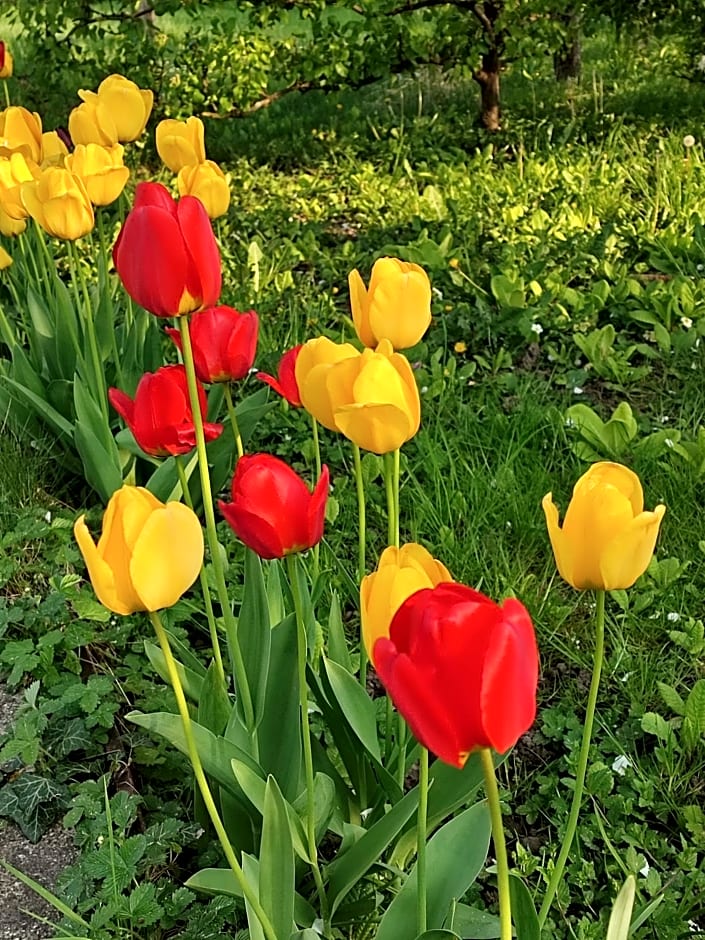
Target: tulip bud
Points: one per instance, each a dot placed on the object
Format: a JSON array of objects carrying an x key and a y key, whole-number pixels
[
  {"x": 181, "y": 143},
  {"x": 6, "y": 62},
  {"x": 224, "y": 343},
  {"x": 207, "y": 182},
  {"x": 58, "y": 201},
  {"x": 315, "y": 360},
  {"x": 21, "y": 132},
  {"x": 397, "y": 305},
  {"x": 285, "y": 383},
  {"x": 103, "y": 173},
  {"x": 127, "y": 105}
]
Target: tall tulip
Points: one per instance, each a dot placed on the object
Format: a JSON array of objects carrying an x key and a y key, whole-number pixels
[
  {"x": 160, "y": 415},
  {"x": 181, "y": 143},
  {"x": 101, "y": 168},
  {"x": 6, "y": 62},
  {"x": 396, "y": 306},
  {"x": 21, "y": 132},
  {"x": 58, "y": 201},
  {"x": 607, "y": 538},
  {"x": 85, "y": 127},
  {"x": 207, "y": 182},
  {"x": 272, "y": 510},
  {"x": 224, "y": 343},
  {"x": 315, "y": 360},
  {"x": 148, "y": 555},
  {"x": 166, "y": 254},
  {"x": 128, "y": 106},
  {"x": 374, "y": 399},
  {"x": 400, "y": 572},
  {"x": 285, "y": 383},
  {"x": 462, "y": 670},
  {"x": 14, "y": 172}
]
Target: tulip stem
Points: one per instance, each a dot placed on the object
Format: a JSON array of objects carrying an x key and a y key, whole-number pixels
[
  {"x": 241, "y": 683},
  {"x": 391, "y": 503},
  {"x": 104, "y": 255},
  {"x": 500, "y": 848},
  {"x": 202, "y": 781},
  {"x": 301, "y": 651},
  {"x": 421, "y": 827},
  {"x": 397, "y": 474},
  {"x": 7, "y": 94},
  {"x": 317, "y": 458},
  {"x": 101, "y": 388},
  {"x": 572, "y": 824},
  {"x": 233, "y": 419},
  {"x": 212, "y": 628},
  {"x": 361, "y": 550},
  {"x": 401, "y": 744}
]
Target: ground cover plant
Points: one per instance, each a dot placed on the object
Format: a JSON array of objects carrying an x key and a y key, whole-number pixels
[{"x": 565, "y": 257}]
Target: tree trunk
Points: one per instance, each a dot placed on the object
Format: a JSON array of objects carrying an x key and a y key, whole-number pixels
[
  {"x": 487, "y": 78},
  {"x": 567, "y": 61}
]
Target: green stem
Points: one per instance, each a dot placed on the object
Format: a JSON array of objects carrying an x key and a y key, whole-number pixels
[
  {"x": 7, "y": 93},
  {"x": 233, "y": 419},
  {"x": 401, "y": 743},
  {"x": 240, "y": 676},
  {"x": 301, "y": 651},
  {"x": 391, "y": 504},
  {"x": 317, "y": 458},
  {"x": 101, "y": 387},
  {"x": 212, "y": 628},
  {"x": 202, "y": 782},
  {"x": 581, "y": 771},
  {"x": 421, "y": 827},
  {"x": 361, "y": 549},
  {"x": 397, "y": 474},
  {"x": 500, "y": 848},
  {"x": 104, "y": 255}
]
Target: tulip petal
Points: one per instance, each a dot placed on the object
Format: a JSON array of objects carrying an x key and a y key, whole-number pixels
[
  {"x": 204, "y": 279},
  {"x": 377, "y": 428},
  {"x": 593, "y": 519},
  {"x": 167, "y": 556},
  {"x": 257, "y": 533},
  {"x": 400, "y": 309},
  {"x": 627, "y": 557},
  {"x": 358, "y": 305},
  {"x": 100, "y": 574},
  {"x": 562, "y": 548},
  {"x": 151, "y": 259}
]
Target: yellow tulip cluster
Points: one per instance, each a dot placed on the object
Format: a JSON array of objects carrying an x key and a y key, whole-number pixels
[
  {"x": 38, "y": 176},
  {"x": 181, "y": 146}
]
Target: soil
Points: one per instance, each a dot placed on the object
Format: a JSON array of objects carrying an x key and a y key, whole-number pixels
[{"x": 43, "y": 862}]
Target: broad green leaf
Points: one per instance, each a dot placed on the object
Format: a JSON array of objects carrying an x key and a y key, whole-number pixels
[
  {"x": 223, "y": 881},
  {"x": 276, "y": 870},
  {"x": 454, "y": 857},
  {"x": 41, "y": 407},
  {"x": 695, "y": 707},
  {"x": 250, "y": 868},
  {"x": 254, "y": 632},
  {"x": 524, "y": 917},
  {"x": 323, "y": 805},
  {"x": 192, "y": 683},
  {"x": 254, "y": 788},
  {"x": 356, "y": 705},
  {"x": 101, "y": 467},
  {"x": 671, "y": 698},
  {"x": 346, "y": 870},
  {"x": 620, "y": 918},
  {"x": 471, "y": 922},
  {"x": 214, "y": 705},
  {"x": 438, "y": 934},
  {"x": 337, "y": 641}
]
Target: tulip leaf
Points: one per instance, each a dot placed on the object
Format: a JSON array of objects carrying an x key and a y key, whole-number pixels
[
  {"x": 275, "y": 595},
  {"x": 526, "y": 921},
  {"x": 438, "y": 934},
  {"x": 250, "y": 868},
  {"x": 621, "y": 916},
  {"x": 254, "y": 787},
  {"x": 216, "y": 753},
  {"x": 43, "y": 409},
  {"x": 214, "y": 705},
  {"x": 356, "y": 705},
  {"x": 101, "y": 467},
  {"x": 471, "y": 922},
  {"x": 347, "y": 870},
  {"x": 454, "y": 858},
  {"x": 192, "y": 683},
  {"x": 337, "y": 641},
  {"x": 222, "y": 881},
  {"x": 276, "y": 857},
  {"x": 323, "y": 805},
  {"x": 254, "y": 633}
]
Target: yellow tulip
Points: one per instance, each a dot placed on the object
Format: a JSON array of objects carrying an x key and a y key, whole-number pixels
[
  {"x": 58, "y": 201},
  {"x": 101, "y": 169},
  {"x": 5, "y": 259},
  {"x": 20, "y": 132},
  {"x": 125, "y": 105},
  {"x": 14, "y": 172},
  {"x": 607, "y": 539},
  {"x": 181, "y": 143},
  {"x": 54, "y": 150},
  {"x": 207, "y": 182},
  {"x": 374, "y": 399},
  {"x": 85, "y": 127},
  {"x": 148, "y": 555},
  {"x": 397, "y": 305},
  {"x": 315, "y": 360},
  {"x": 10, "y": 226},
  {"x": 7, "y": 65},
  {"x": 400, "y": 573}
]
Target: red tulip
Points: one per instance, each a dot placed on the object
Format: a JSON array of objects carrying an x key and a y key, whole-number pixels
[
  {"x": 273, "y": 511},
  {"x": 461, "y": 670},
  {"x": 285, "y": 383},
  {"x": 160, "y": 417},
  {"x": 166, "y": 253},
  {"x": 224, "y": 343}
]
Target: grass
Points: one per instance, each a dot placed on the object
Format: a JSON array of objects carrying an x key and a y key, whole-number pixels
[{"x": 583, "y": 187}]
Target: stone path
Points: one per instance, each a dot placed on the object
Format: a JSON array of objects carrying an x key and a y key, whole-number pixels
[{"x": 43, "y": 862}]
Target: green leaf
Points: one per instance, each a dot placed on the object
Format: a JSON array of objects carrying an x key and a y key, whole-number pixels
[
  {"x": 214, "y": 705},
  {"x": 470, "y": 922},
  {"x": 620, "y": 918},
  {"x": 223, "y": 881},
  {"x": 192, "y": 683},
  {"x": 254, "y": 632},
  {"x": 337, "y": 641},
  {"x": 526, "y": 921},
  {"x": 41, "y": 407},
  {"x": 276, "y": 870},
  {"x": 695, "y": 707},
  {"x": 356, "y": 705},
  {"x": 346, "y": 870},
  {"x": 671, "y": 698},
  {"x": 254, "y": 788},
  {"x": 454, "y": 858},
  {"x": 250, "y": 868},
  {"x": 438, "y": 934},
  {"x": 100, "y": 465}
]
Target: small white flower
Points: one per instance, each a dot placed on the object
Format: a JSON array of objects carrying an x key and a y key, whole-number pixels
[
  {"x": 536, "y": 328},
  {"x": 688, "y": 140},
  {"x": 693, "y": 925},
  {"x": 673, "y": 617},
  {"x": 47, "y": 516},
  {"x": 686, "y": 322},
  {"x": 577, "y": 390},
  {"x": 620, "y": 764},
  {"x": 645, "y": 870},
  {"x": 699, "y": 267}
]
